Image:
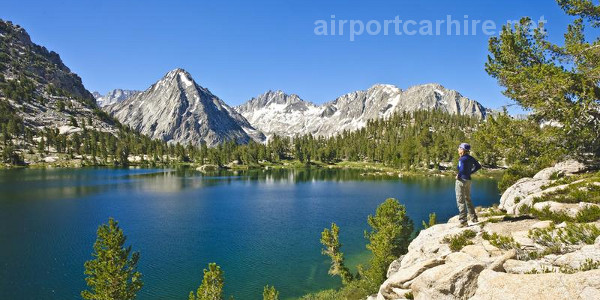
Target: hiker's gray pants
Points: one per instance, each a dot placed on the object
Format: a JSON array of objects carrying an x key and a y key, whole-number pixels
[{"x": 463, "y": 198}]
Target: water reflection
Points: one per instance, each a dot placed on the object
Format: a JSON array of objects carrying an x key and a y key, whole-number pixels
[
  {"x": 302, "y": 175},
  {"x": 65, "y": 183}
]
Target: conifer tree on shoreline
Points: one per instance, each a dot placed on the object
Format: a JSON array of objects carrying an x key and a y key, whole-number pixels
[{"x": 112, "y": 274}]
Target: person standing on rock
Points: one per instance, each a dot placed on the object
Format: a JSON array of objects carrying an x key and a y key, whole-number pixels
[{"x": 467, "y": 165}]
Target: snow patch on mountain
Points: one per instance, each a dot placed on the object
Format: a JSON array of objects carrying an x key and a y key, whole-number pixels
[
  {"x": 275, "y": 112},
  {"x": 114, "y": 96},
  {"x": 186, "y": 81}
]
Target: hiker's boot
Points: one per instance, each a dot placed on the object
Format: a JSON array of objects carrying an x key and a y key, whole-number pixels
[{"x": 474, "y": 219}]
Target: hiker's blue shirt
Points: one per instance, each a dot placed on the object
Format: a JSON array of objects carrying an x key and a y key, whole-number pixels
[{"x": 467, "y": 165}]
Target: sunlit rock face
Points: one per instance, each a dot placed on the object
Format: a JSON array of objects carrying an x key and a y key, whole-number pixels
[{"x": 178, "y": 110}]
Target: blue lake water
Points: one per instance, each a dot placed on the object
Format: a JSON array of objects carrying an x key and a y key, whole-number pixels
[{"x": 261, "y": 227}]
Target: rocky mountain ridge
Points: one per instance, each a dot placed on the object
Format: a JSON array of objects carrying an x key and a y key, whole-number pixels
[
  {"x": 275, "y": 112},
  {"x": 38, "y": 88},
  {"x": 20, "y": 56},
  {"x": 177, "y": 109}
]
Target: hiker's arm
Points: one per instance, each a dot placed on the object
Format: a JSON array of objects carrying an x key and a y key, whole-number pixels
[{"x": 476, "y": 166}]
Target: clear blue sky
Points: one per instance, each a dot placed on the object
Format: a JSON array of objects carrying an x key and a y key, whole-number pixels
[{"x": 239, "y": 49}]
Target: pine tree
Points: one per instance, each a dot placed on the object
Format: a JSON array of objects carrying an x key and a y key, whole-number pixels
[
  {"x": 41, "y": 145},
  {"x": 60, "y": 105},
  {"x": 270, "y": 293},
  {"x": 9, "y": 156},
  {"x": 560, "y": 83},
  {"x": 432, "y": 221},
  {"x": 212, "y": 284},
  {"x": 73, "y": 122},
  {"x": 122, "y": 154},
  {"x": 331, "y": 242},
  {"x": 391, "y": 230},
  {"x": 112, "y": 274}
]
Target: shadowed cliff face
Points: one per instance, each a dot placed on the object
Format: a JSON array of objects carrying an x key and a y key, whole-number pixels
[
  {"x": 287, "y": 115},
  {"x": 23, "y": 57},
  {"x": 176, "y": 109}
]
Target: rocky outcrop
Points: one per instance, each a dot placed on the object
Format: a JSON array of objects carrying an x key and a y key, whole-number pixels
[
  {"x": 525, "y": 190},
  {"x": 499, "y": 285},
  {"x": 430, "y": 270},
  {"x": 275, "y": 112},
  {"x": 455, "y": 279},
  {"x": 505, "y": 259},
  {"x": 568, "y": 167}
]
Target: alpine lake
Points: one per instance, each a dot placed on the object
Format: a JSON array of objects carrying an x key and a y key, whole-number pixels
[{"x": 262, "y": 227}]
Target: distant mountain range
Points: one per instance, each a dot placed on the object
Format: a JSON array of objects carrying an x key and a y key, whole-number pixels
[
  {"x": 176, "y": 109},
  {"x": 45, "y": 93},
  {"x": 276, "y": 112},
  {"x": 112, "y": 97}
]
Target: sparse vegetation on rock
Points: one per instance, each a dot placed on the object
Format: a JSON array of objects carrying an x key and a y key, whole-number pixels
[{"x": 458, "y": 241}]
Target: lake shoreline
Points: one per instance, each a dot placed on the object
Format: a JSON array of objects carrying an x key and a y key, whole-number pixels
[{"x": 370, "y": 169}]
